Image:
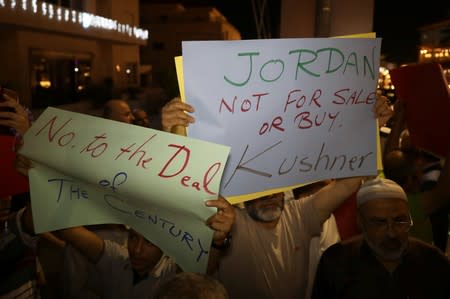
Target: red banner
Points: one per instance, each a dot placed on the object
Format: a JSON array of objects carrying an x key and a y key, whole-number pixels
[{"x": 425, "y": 93}]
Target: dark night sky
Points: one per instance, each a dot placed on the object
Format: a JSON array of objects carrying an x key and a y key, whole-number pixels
[
  {"x": 398, "y": 25},
  {"x": 397, "y": 22}
]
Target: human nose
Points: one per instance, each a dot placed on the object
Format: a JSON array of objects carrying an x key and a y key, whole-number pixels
[
  {"x": 391, "y": 231},
  {"x": 138, "y": 247}
]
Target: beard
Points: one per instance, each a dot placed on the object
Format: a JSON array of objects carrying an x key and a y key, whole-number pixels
[
  {"x": 266, "y": 213},
  {"x": 389, "y": 249}
]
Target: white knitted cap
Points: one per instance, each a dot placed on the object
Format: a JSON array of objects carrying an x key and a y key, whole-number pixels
[{"x": 379, "y": 188}]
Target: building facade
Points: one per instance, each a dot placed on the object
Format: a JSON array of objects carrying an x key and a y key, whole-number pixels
[
  {"x": 435, "y": 45},
  {"x": 325, "y": 18},
  {"x": 54, "y": 52},
  {"x": 170, "y": 24}
]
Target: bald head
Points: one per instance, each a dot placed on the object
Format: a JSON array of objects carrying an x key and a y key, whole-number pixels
[
  {"x": 192, "y": 286},
  {"x": 118, "y": 110}
]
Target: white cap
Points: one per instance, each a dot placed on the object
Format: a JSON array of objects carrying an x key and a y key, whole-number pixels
[{"x": 379, "y": 188}]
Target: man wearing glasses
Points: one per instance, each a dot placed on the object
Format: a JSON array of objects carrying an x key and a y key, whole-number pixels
[{"x": 384, "y": 262}]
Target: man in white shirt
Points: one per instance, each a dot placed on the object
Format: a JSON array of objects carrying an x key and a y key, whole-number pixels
[{"x": 269, "y": 254}]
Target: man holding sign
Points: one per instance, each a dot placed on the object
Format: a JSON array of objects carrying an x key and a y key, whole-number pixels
[
  {"x": 139, "y": 270},
  {"x": 154, "y": 182},
  {"x": 268, "y": 257}
]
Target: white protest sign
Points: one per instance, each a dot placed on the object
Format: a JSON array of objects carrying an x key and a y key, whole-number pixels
[{"x": 292, "y": 110}]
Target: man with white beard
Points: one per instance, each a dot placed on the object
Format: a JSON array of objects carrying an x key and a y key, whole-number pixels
[
  {"x": 385, "y": 262},
  {"x": 269, "y": 253}
]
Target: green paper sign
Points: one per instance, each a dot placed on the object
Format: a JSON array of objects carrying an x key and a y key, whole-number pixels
[{"x": 90, "y": 170}]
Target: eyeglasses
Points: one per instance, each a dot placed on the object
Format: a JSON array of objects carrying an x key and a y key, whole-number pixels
[{"x": 401, "y": 226}]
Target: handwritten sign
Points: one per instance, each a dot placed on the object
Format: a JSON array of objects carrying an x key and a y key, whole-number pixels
[
  {"x": 292, "y": 110},
  {"x": 91, "y": 170}
]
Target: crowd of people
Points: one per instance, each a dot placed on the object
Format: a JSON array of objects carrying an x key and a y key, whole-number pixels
[{"x": 268, "y": 247}]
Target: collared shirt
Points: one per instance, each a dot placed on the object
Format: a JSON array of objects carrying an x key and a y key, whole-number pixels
[{"x": 351, "y": 270}]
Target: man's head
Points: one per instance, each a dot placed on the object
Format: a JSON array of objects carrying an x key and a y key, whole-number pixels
[
  {"x": 192, "y": 286},
  {"x": 405, "y": 168},
  {"x": 141, "y": 118},
  {"x": 143, "y": 254},
  {"x": 118, "y": 110},
  {"x": 267, "y": 208},
  {"x": 384, "y": 216}
]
